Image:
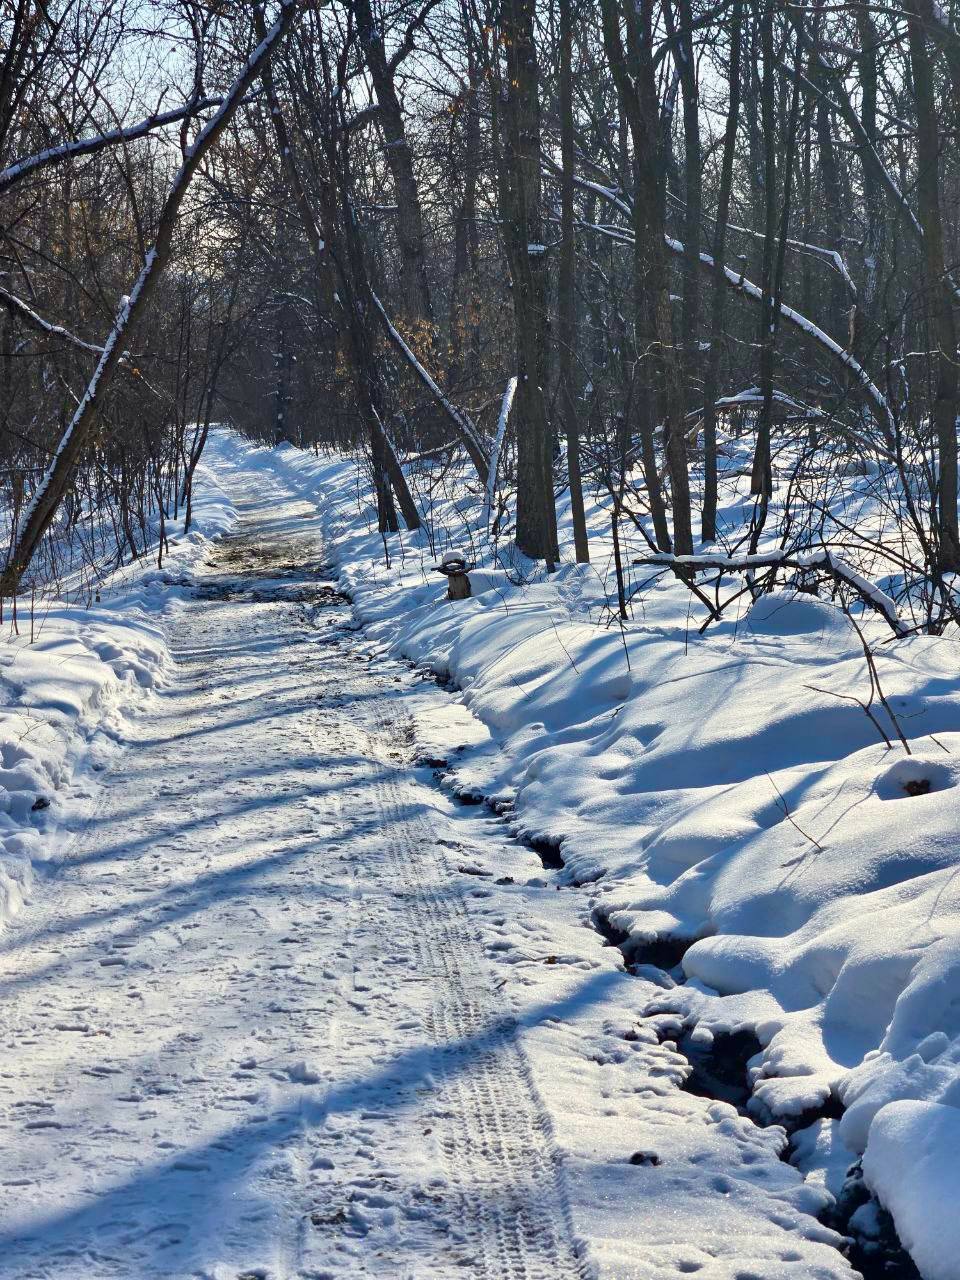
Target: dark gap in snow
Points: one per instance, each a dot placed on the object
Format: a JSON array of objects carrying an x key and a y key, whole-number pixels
[
  {"x": 663, "y": 953},
  {"x": 874, "y": 1249},
  {"x": 830, "y": 1109},
  {"x": 719, "y": 1069},
  {"x": 442, "y": 679},
  {"x": 601, "y": 922},
  {"x": 548, "y": 852}
]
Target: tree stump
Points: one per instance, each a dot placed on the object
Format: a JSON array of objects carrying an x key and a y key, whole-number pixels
[{"x": 454, "y": 569}]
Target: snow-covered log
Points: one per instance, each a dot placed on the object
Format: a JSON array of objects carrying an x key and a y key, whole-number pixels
[{"x": 821, "y": 559}]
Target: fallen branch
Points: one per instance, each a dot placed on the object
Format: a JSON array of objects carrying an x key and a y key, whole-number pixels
[{"x": 824, "y": 560}]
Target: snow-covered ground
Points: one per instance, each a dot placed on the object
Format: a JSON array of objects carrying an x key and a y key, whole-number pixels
[
  {"x": 70, "y": 674},
  {"x": 283, "y": 1006},
  {"x": 723, "y": 802},
  {"x": 289, "y": 1009}
]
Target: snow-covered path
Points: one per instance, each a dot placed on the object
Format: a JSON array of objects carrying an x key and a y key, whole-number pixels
[
  {"x": 252, "y": 1022},
  {"x": 287, "y": 1010}
]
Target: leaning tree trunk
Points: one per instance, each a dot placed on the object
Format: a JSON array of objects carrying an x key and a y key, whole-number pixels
[{"x": 56, "y": 480}]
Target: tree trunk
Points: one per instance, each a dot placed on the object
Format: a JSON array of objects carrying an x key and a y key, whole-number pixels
[
  {"x": 418, "y": 309},
  {"x": 523, "y": 230},
  {"x": 939, "y": 301},
  {"x": 566, "y": 284},
  {"x": 464, "y": 354},
  {"x": 637, "y": 90},
  {"x": 711, "y": 380},
  {"x": 761, "y": 478},
  {"x": 681, "y": 32}
]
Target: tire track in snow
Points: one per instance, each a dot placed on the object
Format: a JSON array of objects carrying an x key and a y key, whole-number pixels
[
  {"x": 266, "y": 800},
  {"x": 497, "y": 1137},
  {"x": 490, "y": 1123}
]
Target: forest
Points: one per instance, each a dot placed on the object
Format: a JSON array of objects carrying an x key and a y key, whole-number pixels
[
  {"x": 479, "y": 685},
  {"x": 684, "y": 230}
]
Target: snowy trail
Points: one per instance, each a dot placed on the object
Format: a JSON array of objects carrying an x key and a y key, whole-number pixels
[
  {"x": 287, "y": 1010},
  {"x": 248, "y": 1028}
]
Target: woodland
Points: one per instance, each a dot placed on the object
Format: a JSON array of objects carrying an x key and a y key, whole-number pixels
[{"x": 555, "y": 249}]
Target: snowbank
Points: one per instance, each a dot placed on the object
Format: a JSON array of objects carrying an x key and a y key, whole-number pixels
[
  {"x": 726, "y": 793},
  {"x": 912, "y": 1164},
  {"x": 68, "y": 678}
]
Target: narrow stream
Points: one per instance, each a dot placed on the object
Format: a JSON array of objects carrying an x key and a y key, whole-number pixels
[{"x": 720, "y": 1071}]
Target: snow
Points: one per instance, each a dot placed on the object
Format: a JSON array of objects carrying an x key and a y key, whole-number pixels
[
  {"x": 366, "y": 970},
  {"x": 911, "y": 1164},
  {"x": 725, "y": 792},
  {"x": 68, "y": 680},
  {"x": 289, "y": 1009},
  {"x": 506, "y": 405}
]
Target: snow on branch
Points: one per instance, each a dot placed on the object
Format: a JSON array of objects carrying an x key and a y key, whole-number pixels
[
  {"x": 821, "y": 559},
  {"x": 740, "y": 284},
  {"x": 36, "y": 321},
  {"x": 101, "y": 141},
  {"x": 505, "y": 407},
  {"x": 467, "y": 431},
  {"x": 817, "y": 250},
  {"x": 831, "y": 256}
]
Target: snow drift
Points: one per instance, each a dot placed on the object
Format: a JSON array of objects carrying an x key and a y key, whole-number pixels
[{"x": 68, "y": 678}]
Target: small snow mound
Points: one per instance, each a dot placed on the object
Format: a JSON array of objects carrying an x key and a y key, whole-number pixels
[
  {"x": 303, "y": 1073},
  {"x": 794, "y": 613},
  {"x": 914, "y": 776}
]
